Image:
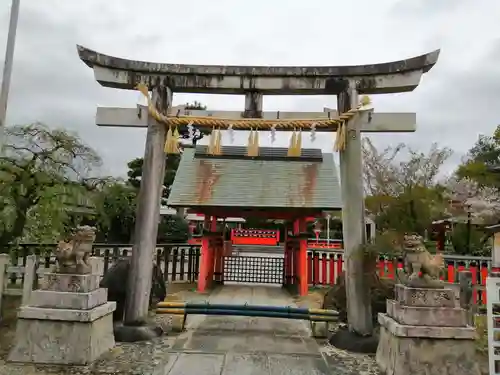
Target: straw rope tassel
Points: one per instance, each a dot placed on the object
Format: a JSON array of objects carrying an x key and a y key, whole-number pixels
[
  {"x": 175, "y": 141},
  {"x": 250, "y": 143},
  {"x": 298, "y": 144},
  {"x": 341, "y": 135},
  {"x": 255, "y": 145},
  {"x": 168, "y": 141},
  {"x": 340, "y": 138},
  {"x": 293, "y": 141},
  {"x": 211, "y": 143},
  {"x": 218, "y": 141}
]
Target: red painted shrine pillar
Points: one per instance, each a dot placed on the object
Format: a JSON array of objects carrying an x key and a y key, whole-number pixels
[
  {"x": 286, "y": 259},
  {"x": 204, "y": 280},
  {"x": 302, "y": 257},
  {"x": 295, "y": 255},
  {"x": 211, "y": 257},
  {"x": 290, "y": 256},
  {"x": 213, "y": 249},
  {"x": 218, "y": 251}
]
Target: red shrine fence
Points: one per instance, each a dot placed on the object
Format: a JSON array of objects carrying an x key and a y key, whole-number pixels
[
  {"x": 269, "y": 237},
  {"x": 180, "y": 262}
]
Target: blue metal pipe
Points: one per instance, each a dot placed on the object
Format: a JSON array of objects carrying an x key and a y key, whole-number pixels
[
  {"x": 279, "y": 309},
  {"x": 253, "y": 313}
]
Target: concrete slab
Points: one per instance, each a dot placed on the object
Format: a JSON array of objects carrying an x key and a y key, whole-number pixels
[
  {"x": 246, "y": 364},
  {"x": 297, "y": 365},
  {"x": 200, "y": 364},
  {"x": 245, "y": 345}
]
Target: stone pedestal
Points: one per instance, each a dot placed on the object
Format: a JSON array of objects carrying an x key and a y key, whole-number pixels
[
  {"x": 424, "y": 332},
  {"x": 68, "y": 321}
]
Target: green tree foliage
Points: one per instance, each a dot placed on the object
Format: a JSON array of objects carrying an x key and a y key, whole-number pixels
[
  {"x": 116, "y": 212},
  {"x": 196, "y": 106},
  {"x": 481, "y": 159},
  {"x": 412, "y": 210},
  {"x": 402, "y": 192},
  {"x": 118, "y": 206},
  {"x": 171, "y": 164},
  {"x": 468, "y": 241},
  {"x": 115, "y": 220},
  {"x": 172, "y": 161},
  {"x": 43, "y": 174},
  {"x": 173, "y": 229}
]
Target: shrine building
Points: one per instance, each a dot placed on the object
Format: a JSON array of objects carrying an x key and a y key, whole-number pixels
[{"x": 270, "y": 185}]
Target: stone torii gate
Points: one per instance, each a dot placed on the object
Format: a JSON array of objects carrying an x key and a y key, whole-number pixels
[{"x": 346, "y": 82}]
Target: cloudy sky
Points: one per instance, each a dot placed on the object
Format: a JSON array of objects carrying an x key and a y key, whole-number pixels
[{"x": 458, "y": 100}]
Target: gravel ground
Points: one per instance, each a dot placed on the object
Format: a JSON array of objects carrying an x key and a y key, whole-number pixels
[
  {"x": 348, "y": 363},
  {"x": 142, "y": 358},
  {"x": 125, "y": 359}
]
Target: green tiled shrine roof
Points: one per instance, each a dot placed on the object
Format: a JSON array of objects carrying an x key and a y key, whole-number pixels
[{"x": 237, "y": 181}]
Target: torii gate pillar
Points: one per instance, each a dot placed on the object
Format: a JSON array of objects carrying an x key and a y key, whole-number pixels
[
  {"x": 359, "y": 314},
  {"x": 148, "y": 215}
]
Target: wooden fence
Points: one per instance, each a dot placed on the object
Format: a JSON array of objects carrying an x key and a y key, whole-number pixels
[{"x": 180, "y": 262}]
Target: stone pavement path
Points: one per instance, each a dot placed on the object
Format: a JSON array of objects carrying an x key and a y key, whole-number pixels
[{"x": 214, "y": 345}]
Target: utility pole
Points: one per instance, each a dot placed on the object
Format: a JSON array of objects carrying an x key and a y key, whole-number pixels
[
  {"x": 7, "y": 68},
  {"x": 469, "y": 227}
]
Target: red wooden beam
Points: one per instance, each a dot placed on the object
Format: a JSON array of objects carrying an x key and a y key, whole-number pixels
[{"x": 265, "y": 213}]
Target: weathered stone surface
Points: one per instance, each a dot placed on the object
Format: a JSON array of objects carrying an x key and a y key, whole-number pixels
[
  {"x": 398, "y": 329},
  {"x": 456, "y": 291},
  {"x": 43, "y": 313},
  {"x": 427, "y": 316},
  {"x": 397, "y": 76},
  {"x": 62, "y": 342},
  {"x": 423, "y": 297},
  {"x": 398, "y": 355},
  {"x": 69, "y": 300},
  {"x": 72, "y": 257},
  {"x": 421, "y": 268},
  {"x": 70, "y": 282},
  {"x": 136, "y": 333},
  {"x": 115, "y": 280},
  {"x": 319, "y": 330},
  {"x": 381, "y": 289}
]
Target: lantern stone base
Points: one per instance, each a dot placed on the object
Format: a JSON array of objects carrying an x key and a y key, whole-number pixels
[
  {"x": 424, "y": 333},
  {"x": 69, "y": 326},
  {"x": 399, "y": 354}
]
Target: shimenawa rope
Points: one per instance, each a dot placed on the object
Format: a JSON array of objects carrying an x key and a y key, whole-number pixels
[{"x": 254, "y": 125}]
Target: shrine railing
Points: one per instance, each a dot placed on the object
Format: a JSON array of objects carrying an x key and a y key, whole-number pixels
[
  {"x": 178, "y": 262},
  {"x": 325, "y": 267}
]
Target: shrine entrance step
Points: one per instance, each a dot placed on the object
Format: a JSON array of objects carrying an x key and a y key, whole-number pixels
[{"x": 253, "y": 269}]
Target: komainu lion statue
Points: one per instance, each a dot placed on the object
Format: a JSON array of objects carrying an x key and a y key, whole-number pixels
[
  {"x": 421, "y": 268},
  {"x": 73, "y": 256}
]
